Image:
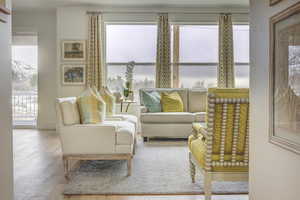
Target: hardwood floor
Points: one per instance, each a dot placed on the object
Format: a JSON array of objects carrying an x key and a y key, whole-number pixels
[{"x": 38, "y": 171}]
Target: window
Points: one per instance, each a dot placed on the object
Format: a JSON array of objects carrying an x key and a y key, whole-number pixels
[
  {"x": 24, "y": 79},
  {"x": 198, "y": 55},
  {"x": 126, "y": 43},
  {"x": 241, "y": 55}
]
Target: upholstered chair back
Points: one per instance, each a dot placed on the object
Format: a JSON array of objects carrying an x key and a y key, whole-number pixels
[{"x": 227, "y": 133}]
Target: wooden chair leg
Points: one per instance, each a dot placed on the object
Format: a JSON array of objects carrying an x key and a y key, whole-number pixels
[
  {"x": 192, "y": 169},
  {"x": 129, "y": 166},
  {"x": 207, "y": 186},
  {"x": 66, "y": 168}
]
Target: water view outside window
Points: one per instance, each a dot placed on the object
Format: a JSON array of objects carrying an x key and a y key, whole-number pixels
[
  {"x": 198, "y": 55},
  {"x": 125, "y": 43},
  {"x": 24, "y": 84}
]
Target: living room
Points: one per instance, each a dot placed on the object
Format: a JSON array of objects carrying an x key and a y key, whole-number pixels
[{"x": 149, "y": 100}]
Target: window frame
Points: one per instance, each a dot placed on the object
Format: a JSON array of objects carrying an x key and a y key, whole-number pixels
[
  {"x": 107, "y": 64},
  {"x": 198, "y": 64},
  {"x": 205, "y": 64}
]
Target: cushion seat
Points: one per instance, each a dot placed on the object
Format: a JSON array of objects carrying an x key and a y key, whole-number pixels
[
  {"x": 198, "y": 149},
  {"x": 125, "y": 132},
  {"x": 168, "y": 117}
]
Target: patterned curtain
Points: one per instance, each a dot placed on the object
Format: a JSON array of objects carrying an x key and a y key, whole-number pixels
[
  {"x": 163, "y": 66},
  {"x": 95, "y": 70},
  {"x": 226, "y": 60}
]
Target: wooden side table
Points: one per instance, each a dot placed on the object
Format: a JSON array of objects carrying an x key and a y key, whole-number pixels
[{"x": 128, "y": 102}]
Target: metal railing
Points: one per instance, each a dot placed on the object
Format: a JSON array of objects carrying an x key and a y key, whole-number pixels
[{"x": 24, "y": 106}]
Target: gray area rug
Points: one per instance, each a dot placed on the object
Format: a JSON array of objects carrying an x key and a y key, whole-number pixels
[{"x": 158, "y": 168}]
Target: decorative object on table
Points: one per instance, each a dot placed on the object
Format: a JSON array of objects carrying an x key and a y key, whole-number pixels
[
  {"x": 128, "y": 89},
  {"x": 285, "y": 79},
  {"x": 73, "y": 50},
  {"x": 273, "y": 2},
  {"x": 128, "y": 102},
  {"x": 4, "y": 9},
  {"x": 118, "y": 97},
  {"x": 73, "y": 74}
]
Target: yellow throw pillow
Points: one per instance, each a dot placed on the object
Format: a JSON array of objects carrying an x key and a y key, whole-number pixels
[
  {"x": 91, "y": 107},
  {"x": 110, "y": 101},
  {"x": 171, "y": 102}
]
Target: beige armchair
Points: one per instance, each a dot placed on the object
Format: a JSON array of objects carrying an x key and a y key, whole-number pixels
[{"x": 109, "y": 140}]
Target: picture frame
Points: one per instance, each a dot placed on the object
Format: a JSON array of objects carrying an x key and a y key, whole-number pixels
[
  {"x": 73, "y": 74},
  {"x": 273, "y": 2},
  {"x": 284, "y": 82},
  {"x": 73, "y": 50}
]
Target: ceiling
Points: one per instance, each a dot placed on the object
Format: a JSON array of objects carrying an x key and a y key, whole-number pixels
[{"x": 51, "y": 4}]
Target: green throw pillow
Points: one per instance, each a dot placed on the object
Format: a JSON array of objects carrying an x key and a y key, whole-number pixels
[{"x": 151, "y": 101}]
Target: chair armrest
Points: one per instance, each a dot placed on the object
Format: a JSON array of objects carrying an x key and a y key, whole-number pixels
[
  {"x": 113, "y": 118},
  {"x": 199, "y": 129},
  {"x": 143, "y": 109}
]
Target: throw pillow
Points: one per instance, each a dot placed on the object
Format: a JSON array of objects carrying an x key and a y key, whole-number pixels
[
  {"x": 110, "y": 101},
  {"x": 91, "y": 107},
  {"x": 70, "y": 112},
  {"x": 171, "y": 102},
  {"x": 151, "y": 101}
]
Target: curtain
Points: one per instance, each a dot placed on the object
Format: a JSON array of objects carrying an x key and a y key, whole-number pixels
[
  {"x": 95, "y": 69},
  {"x": 163, "y": 66},
  {"x": 226, "y": 59}
]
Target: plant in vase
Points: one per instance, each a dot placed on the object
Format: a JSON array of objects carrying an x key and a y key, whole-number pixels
[{"x": 128, "y": 90}]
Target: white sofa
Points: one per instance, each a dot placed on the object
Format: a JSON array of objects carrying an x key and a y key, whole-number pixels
[
  {"x": 110, "y": 140},
  {"x": 174, "y": 124}
]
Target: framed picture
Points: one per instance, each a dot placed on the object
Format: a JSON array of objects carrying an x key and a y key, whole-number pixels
[
  {"x": 73, "y": 50},
  {"x": 273, "y": 2},
  {"x": 3, "y": 7},
  {"x": 285, "y": 79},
  {"x": 73, "y": 74}
]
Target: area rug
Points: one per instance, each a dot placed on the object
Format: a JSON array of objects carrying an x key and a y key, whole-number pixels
[{"x": 158, "y": 168}]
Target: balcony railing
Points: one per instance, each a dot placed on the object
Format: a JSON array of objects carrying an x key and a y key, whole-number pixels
[{"x": 24, "y": 106}]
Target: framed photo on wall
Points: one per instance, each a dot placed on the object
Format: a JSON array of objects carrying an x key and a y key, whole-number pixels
[
  {"x": 73, "y": 74},
  {"x": 73, "y": 50},
  {"x": 285, "y": 79}
]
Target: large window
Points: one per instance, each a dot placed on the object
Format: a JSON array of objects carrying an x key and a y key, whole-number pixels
[
  {"x": 194, "y": 55},
  {"x": 198, "y": 55},
  {"x": 126, "y": 43}
]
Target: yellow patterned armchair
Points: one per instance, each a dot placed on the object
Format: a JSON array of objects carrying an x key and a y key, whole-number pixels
[{"x": 219, "y": 147}]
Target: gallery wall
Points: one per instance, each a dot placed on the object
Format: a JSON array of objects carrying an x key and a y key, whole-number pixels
[
  {"x": 44, "y": 24},
  {"x": 274, "y": 172},
  {"x": 6, "y": 154}
]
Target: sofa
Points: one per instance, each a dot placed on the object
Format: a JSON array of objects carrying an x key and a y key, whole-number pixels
[
  {"x": 112, "y": 139},
  {"x": 173, "y": 124}
]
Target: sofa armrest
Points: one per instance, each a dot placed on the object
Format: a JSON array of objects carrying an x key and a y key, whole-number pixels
[
  {"x": 113, "y": 118},
  {"x": 143, "y": 109}
]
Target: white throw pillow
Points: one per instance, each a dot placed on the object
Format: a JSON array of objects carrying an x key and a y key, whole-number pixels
[{"x": 70, "y": 112}]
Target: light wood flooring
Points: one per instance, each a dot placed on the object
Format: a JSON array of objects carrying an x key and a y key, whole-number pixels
[{"x": 38, "y": 171}]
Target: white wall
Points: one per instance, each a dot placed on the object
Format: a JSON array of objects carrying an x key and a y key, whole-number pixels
[
  {"x": 274, "y": 172},
  {"x": 6, "y": 155},
  {"x": 44, "y": 24}
]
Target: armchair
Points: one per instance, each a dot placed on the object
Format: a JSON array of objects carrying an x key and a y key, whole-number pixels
[
  {"x": 219, "y": 147},
  {"x": 109, "y": 140}
]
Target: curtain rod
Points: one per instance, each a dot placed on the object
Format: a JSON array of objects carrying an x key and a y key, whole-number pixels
[{"x": 151, "y": 12}]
